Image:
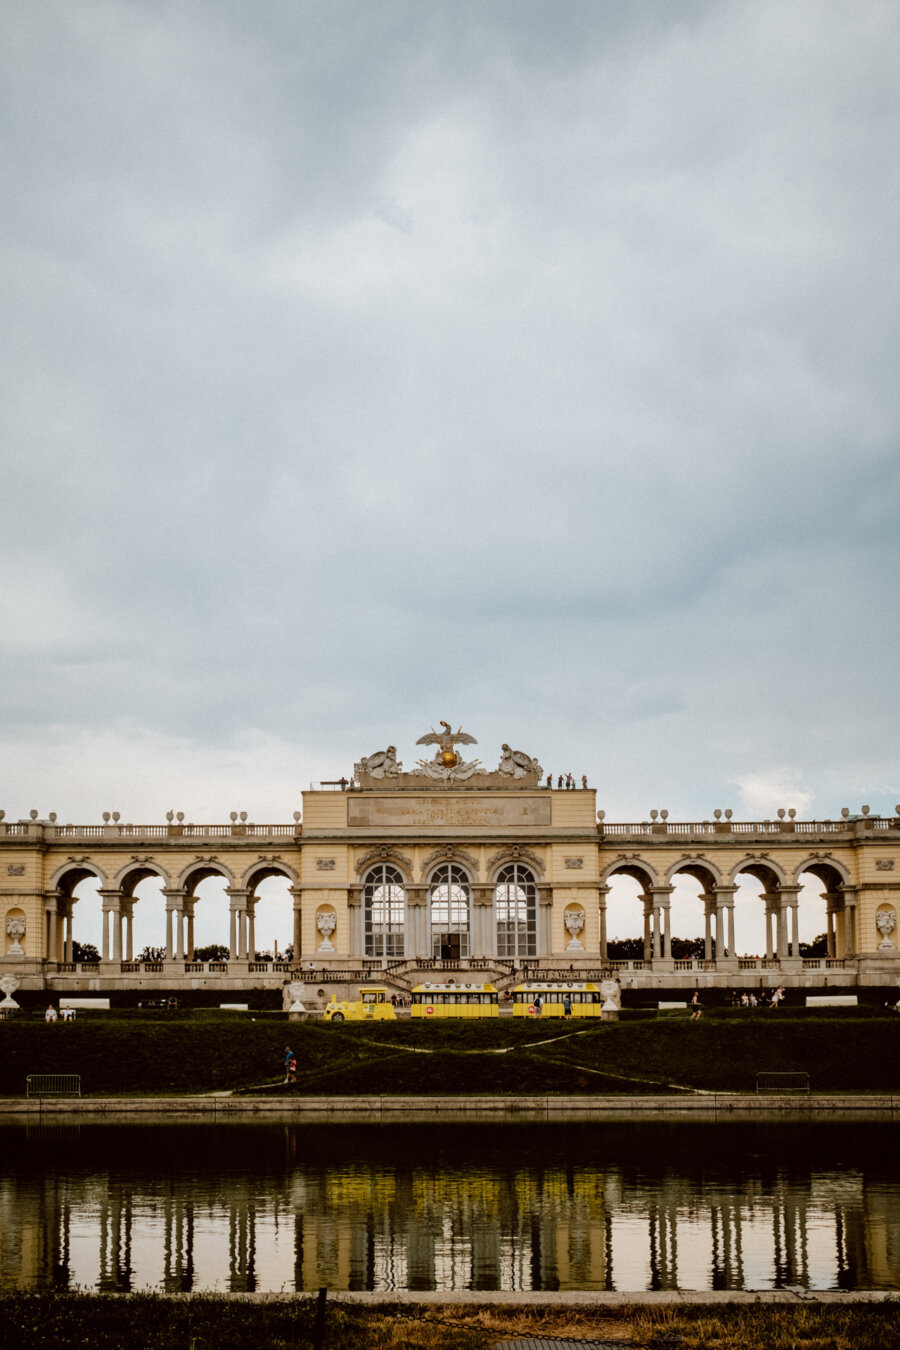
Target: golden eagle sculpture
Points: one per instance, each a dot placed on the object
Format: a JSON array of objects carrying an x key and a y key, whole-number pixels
[{"x": 446, "y": 740}]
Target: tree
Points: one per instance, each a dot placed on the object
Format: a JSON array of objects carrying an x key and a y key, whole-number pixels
[
  {"x": 818, "y": 946},
  {"x": 214, "y": 952},
  {"x": 152, "y": 954},
  {"x": 84, "y": 951}
]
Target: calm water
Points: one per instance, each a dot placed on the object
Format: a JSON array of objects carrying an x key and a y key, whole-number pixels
[{"x": 521, "y": 1206}]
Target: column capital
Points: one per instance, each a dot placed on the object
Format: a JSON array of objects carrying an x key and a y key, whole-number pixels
[
  {"x": 662, "y": 891},
  {"x": 725, "y": 892},
  {"x": 788, "y": 890}
]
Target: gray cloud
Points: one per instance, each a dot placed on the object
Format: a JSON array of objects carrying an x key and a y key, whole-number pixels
[{"x": 529, "y": 364}]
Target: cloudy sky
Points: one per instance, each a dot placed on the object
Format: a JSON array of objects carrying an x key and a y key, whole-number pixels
[{"x": 531, "y": 364}]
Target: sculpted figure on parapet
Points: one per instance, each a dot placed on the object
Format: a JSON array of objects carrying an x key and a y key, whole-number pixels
[
  {"x": 516, "y": 764},
  {"x": 448, "y": 767},
  {"x": 383, "y": 764}
]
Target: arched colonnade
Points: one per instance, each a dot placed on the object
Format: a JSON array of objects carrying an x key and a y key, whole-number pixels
[
  {"x": 779, "y": 891},
  {"x": 118, "y": 897}
]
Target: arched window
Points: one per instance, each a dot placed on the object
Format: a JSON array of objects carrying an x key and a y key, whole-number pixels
[
  {"x": 449, "y": 898},
  {"x": 384, "y": 909},
  {"x": 515, "y": 905}
]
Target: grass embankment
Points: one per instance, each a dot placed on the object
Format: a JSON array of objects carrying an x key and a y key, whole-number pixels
[
  {"x": 114, "y": 1057},
  {"x": 150, "y": 1322}
]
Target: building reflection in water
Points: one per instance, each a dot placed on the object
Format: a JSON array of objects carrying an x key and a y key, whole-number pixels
[{"x": 250, "y": 1207}]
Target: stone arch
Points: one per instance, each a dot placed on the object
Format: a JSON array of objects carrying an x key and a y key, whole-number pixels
[
  {"x": 701, "y": 869},
  {"x": 71, "y": 873},
  {"x": 637, "y": 868},
  {"x": 451, "y": 853},
  {"x": 263, "y": 869},
  {"x": 269, "y": 908},
  {"x": 134, "y": 872},
  {"x": 761, "y": 869},
  {"x": 392, "y": 857},
  {"x": 514, "y": 853},
  {"x": 755, "y": 912},
  {"x": 827, "y": 870},
  {"x": 823, "y": 906},
  {"x": 201, "y": 869}
]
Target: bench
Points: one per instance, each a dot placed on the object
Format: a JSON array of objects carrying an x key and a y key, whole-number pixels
[
  {"x": 831, "y": 1001},
  {"x": 665, "y": 1008},
  {"x": 53, "y": 1085},
  {"x": 772, "y": 1081}
]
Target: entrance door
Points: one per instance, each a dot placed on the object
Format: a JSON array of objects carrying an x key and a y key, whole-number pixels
[{"x": 451, "y": 947}]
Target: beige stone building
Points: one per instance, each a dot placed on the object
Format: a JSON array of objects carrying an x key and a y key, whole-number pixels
[{"x": 451, "y": 866}]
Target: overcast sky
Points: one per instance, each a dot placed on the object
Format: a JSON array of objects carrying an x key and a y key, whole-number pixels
[{"x": 530, "y": 365}]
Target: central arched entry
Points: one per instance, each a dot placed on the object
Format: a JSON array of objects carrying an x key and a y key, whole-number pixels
[{"x": 449, "y": 905}]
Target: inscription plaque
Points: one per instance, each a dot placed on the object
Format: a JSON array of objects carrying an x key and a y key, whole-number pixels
[{"x": 420, "y": 813}]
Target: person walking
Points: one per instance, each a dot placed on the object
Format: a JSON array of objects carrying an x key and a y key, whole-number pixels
[
  {"x": 696, "y": 1007},
  {"x": 288, "y": 1060},
  {"x": 538, "y": 1006},
  {"x": 567, "y": 1005}
]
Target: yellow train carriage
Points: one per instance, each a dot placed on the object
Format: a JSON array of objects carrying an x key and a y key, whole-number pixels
[
  {"x": 373, "y": 1005},
  {"x": 454, "y": 1000},
  {"x": 585, "y": 999}
]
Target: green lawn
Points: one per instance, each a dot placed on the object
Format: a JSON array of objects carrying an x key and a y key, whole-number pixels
[{"x": 849, "y": 1054}]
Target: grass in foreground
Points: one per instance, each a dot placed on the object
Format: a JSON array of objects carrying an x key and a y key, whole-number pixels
[
  {"x": 375, "y": 1059},
  {"x": 152, "y": 1322}
]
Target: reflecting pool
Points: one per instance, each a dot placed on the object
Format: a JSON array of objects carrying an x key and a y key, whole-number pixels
[{"x": 243, "y": 1207}]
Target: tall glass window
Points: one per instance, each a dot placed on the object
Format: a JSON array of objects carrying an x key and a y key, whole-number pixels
[
  {"x": 515, "y": 905},
  {"x": 384, "y": 908},
  {"x": 449, "y": 900}
]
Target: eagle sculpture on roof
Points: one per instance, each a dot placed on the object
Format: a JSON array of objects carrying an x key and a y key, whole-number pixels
[{"x": 446, "y": 740}]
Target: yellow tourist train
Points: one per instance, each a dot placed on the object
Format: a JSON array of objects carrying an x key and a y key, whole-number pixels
[
  {"x": 585, "y": 999},
  {"x": 373, "y": 1005},
  {"x": 454, "y": 1000}
]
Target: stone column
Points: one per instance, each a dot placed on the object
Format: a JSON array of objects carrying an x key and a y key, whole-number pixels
[
  {"x": 851, "y": 937},
  {"x": 648, "y": 913},
  {"x": 483, "y": 942},
  {"x": 830, "y": 899},
  {"x": 418, "y": 938},
  {"x": 660, "y": 902},
  {"x": 297, "y": 897},
  {"x": 545, "y": 921},
  {"x": 251, "y": 928},
  {"x": 725, "y": 952},
  {"x": 770, "y": 949},
  {"x": 708, "y": 903},
  {"x": 127, "y": 915},
  {"x": 174, "y": 910},
  {"x": 355, "y": 937},
  {"x": 189, "y": 916},
  {"x": 237, "y": 905},
  {"x": 50, "y": 914},
  {"x": 111, "y": 905},
  {"x": 68, "y": 920},
  {"x": 604, "y": 956},
  {"x": 788, "y": 898}
]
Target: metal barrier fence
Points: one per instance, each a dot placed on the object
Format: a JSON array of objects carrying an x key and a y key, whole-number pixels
[
  {"x": 218, "y": 1014},
  {"x": 767, "y": 1081},
  {"x": 53, "y": 1085}
]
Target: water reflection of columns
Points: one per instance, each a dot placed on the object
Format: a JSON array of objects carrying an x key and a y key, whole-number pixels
[
  {"x": 790, "y": 1263},
  {"x": 727, "y": 1250},
  {"x": 663, "y": 1232},
  {"x": 115, "y": 1243},
  {"x": 241, "y": 1247},
  {"x": 178, "y": 1245}
]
